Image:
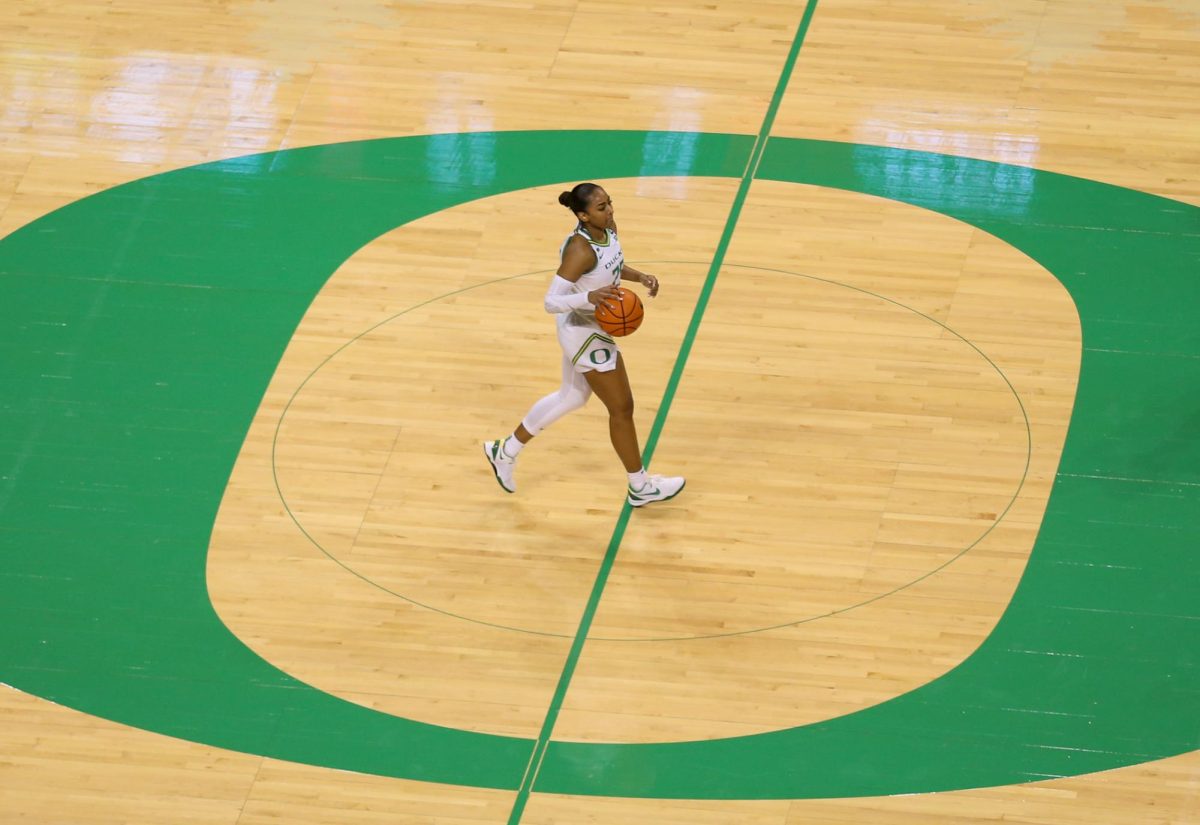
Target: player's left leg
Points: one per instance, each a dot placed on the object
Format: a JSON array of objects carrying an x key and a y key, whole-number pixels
[{"x": 612, "y": 388}]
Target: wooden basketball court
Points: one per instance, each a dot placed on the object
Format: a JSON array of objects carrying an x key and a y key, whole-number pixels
[{"x": 924, "y": 350}]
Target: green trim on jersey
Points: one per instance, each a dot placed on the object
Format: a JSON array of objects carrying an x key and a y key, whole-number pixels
[
  {"x": 589, "y": 340},
  {"x": 608, "y": 236}
]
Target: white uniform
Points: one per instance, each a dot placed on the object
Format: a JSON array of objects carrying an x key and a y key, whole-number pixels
[{"x": 584, "y": 344}]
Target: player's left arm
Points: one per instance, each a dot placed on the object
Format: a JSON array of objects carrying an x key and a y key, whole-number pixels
[{"x": 644, "y": 278}]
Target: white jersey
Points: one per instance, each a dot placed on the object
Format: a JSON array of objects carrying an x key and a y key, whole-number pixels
[
  {"x": 585, "y": 346},
  {"x": 607, "y": 271}
]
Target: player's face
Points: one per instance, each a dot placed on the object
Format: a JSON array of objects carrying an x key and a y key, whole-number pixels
[{"x": 600, "y": 210}]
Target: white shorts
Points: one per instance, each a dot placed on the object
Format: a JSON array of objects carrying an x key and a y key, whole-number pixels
[{"x": 585, "y": 345}]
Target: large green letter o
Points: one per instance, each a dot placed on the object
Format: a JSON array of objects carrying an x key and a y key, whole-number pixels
[{"x": 170, "y": 299}]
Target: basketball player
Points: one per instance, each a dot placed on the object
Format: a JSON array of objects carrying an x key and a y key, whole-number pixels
[{"x": 591, "y": 268}]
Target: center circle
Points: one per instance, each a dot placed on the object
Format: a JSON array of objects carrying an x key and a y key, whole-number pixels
[{"x": 941, "y": 341}]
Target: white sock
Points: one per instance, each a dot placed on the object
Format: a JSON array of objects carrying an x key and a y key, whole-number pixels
[
  {"x": 511, "y": 446},
  {"x": 638, "y": 480}
]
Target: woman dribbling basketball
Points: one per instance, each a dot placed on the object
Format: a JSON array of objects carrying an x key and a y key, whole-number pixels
[{"x": 589, "y": 273}]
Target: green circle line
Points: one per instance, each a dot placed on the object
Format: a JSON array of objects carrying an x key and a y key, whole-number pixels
[{"x": 324, "y": 551}]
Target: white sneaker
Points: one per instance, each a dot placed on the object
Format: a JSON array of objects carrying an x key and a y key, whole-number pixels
[
  {"x": 657, "y": 488},
  {"x": 502, "y": 465}
]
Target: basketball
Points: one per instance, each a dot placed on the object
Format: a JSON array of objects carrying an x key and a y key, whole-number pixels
[{"x": 624, "y": 317}]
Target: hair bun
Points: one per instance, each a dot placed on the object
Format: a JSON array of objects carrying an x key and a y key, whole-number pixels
[{"x": 565, "y": 199}]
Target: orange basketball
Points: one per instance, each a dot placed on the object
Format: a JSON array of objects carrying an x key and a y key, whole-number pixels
[{"x": 624, "y": 317}]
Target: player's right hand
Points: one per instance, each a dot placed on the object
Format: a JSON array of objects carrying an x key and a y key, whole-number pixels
[{"x": 606, "y": 295}]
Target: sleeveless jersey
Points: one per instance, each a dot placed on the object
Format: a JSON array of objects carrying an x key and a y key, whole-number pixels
[{"x": 609, "y": 262}]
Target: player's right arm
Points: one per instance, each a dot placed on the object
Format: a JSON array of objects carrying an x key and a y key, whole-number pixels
[{"x": 577, "y": 259}]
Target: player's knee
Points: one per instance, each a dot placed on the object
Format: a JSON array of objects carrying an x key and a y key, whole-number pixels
[
  {"x": 574, "y": 400},
  {"x": 621, "y": 407}
]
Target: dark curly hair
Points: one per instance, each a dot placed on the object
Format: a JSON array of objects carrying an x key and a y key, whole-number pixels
[{"x": 577, "y": 199}]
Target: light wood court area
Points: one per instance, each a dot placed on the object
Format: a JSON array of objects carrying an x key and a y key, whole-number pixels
[{"x": 272, "y": 272}]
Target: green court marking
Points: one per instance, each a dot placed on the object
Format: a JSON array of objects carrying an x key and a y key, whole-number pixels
[
  {"x": 141, "y": 326},
  {"x": 610, "y": 554},
  {"x": 735, "y": 211},
  {"x": 1020, "y": 482}
]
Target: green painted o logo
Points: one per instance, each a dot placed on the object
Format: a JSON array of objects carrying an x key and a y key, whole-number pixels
[{"x": 126, "y": 298}]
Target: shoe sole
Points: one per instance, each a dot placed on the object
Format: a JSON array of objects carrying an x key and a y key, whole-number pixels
[
  {"x": 495, "y": 472},
  {"x": 657, "y": 500}
]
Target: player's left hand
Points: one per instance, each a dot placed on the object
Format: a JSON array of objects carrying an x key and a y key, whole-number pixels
[{"x": 651, "y": 283}]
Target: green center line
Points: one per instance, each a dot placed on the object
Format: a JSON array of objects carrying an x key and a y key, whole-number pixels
[{"x": 585, "y": 623}]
